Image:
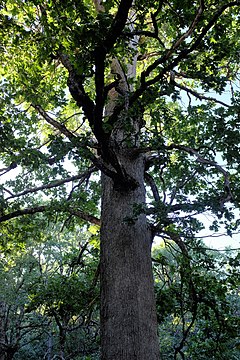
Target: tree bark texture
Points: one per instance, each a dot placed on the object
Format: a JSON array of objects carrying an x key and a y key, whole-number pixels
[{"x": 128, "y": 313}]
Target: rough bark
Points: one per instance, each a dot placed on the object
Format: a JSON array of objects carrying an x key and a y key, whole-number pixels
[{"x": 128, "y": 313}]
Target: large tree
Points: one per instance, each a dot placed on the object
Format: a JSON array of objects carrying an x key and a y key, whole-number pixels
[{"x": 95, "y": 87}]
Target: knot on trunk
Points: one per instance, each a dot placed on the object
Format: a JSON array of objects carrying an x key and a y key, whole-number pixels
[{"x": 125, "y": 183}]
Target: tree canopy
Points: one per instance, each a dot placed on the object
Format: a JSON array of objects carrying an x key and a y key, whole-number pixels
[
  {"x": 46, "y": 122},
  {"x": 86, "y": 82}
]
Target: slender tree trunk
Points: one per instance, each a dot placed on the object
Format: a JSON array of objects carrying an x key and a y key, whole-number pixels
[
  {"x": 62, "y": 340},
  {"x": 128, "y": 313},
  {"x": 49, "y": 346},
  {"x": 2, "y": 331}
]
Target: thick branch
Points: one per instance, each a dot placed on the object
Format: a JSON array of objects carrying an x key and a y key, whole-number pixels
[
  {"x": 57, "y": 125},
  {"x": 118, "y": 24},
  {"x": 96, "y": 161},
  {"x": 189, "y": 31},
  {"x": 39, "y": 209},
  {"x": 27, "y": 211},
  {"x": 100, "y": 55},
  {"x": 150, "y": 181},
  {"x": 75, "y": 84},
  {"x": 12, "y": 166},
  {"x": 101, "y": 51},
  {"x": 109, "y": 87},
  {"x": 87, "y": 217},
  {"x": 54, "y": 184}
]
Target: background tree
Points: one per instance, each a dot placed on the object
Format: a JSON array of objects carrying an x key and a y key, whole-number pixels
[
  {"x": 198, "y": 314},
  {"x": 49, "y": 296},
  {"x": 91, "y": 87}
]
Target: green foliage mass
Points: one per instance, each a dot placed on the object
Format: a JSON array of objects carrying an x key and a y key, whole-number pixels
[
  {"x": 48, "y": 289},
  {"x": 53, "y": 285}
]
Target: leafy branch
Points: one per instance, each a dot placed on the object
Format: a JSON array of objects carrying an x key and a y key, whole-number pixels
[
  {"x": 55, "y": 183},
  {"x": 228, "y": 196},
  {"x": 57, "y": 125},
  {"x": 44, "y": 208},
  {"x": 97, "y": 161},
  {"x": 145, "y": 84},
  {"x": 165, "y": 57}
]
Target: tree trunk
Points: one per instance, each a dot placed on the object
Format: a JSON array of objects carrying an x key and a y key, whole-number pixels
[
  {"x": 128, "y": 312},
  {"x": 2, "y": 330}
]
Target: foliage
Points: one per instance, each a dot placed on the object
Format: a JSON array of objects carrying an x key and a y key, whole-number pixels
[
  {"x": 47, "y": 287},
  {"x": 72, "y": 74},
  {"x": 198, "y": 307},
  {"x": 198, "y": 312}
]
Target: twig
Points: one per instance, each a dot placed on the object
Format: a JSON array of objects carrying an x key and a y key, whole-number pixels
[
  {"x": 43, "y": 208},
  {"x": 197, "y": 95}
]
